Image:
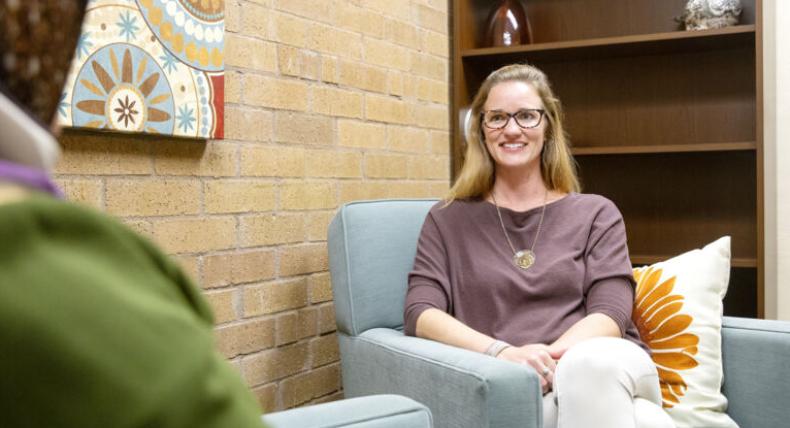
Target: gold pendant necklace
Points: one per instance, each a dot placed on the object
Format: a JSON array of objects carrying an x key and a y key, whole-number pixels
[{"x": 524, "y": 259}]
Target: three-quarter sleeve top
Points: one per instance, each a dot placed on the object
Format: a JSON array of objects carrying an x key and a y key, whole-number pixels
[{"x": 464, "y": 266}]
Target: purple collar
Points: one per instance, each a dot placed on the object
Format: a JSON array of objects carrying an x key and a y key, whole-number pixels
[{"x": 29, "y": 177}]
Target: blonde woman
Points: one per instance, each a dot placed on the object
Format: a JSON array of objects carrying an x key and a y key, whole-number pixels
[{"x": 518, "y": 264}]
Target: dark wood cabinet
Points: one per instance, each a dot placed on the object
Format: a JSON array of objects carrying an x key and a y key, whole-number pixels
[{"x": 667, "y": 123}]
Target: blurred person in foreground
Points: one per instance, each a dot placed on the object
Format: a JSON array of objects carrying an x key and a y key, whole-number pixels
[{"x": 98, "y": 328}]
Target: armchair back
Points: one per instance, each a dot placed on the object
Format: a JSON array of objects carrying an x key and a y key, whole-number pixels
[{"x": 370, "y": 265}]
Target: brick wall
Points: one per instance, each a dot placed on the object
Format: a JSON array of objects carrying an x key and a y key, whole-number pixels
[{"x": 327, "y": 101}]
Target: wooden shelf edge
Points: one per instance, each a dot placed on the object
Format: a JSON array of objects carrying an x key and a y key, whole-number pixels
[
  {"x": 737, "y": 262},
  {"x": 610, "y": 41},
  {"x": 669, "y": 148}
]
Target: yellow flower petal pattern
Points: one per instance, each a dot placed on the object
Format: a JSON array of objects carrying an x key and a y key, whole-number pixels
[{"x": 663, "y": 327}]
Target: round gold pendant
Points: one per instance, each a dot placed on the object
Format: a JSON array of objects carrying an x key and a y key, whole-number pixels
[{"x": 524, "y": 259}]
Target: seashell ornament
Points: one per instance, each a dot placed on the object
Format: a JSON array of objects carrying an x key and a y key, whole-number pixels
[{"x": 710, "y": 14}]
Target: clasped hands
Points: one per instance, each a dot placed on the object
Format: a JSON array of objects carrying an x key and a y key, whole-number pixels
[{"x": 543, "y": 358}]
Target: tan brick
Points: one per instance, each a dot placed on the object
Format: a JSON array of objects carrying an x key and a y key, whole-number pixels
[
  {"x": 432, "y": 116},
  {"x": 245, "y": 337},
  {"x": 317, "y": 224},
  {"x": 354, "y": 18},
  {"x": 387, "y": 109},
  {"x": 363, "y": 76},
  {"x": 298, "y": 62},
  {"x": 270, "y": 229},
  {"x": 432, "y": 19},
  {"x": 190, "y": 265},
  {"x": 409, "y": 86},
  {"x": 286, "y": 94},
  {"x": 246, "y": 52},
  {"x": 429, "y": 66},
  {"x": 83, "y": 191},
  {"x": 398, "y": 9},
  {"x": 323, "y": 11},
  {"x": 142, "y": 227},
  {"x": 255, "y": 20},
  {"x": 438, "y": 189},
  {"x": 238, "y": 268},
  {"x": 105, "y": 153},
  {"x": 331, "y": 163},
  {"x": 432, "y": 90},
  {"x": 440, "y": 142},
  {"x": 307, "y": 195},
  {"x": 290, "y": 30},
  {"x": 222, "y": 304},
  {"x": 276, "y": 364},
  {"x": 324, "y": 350},
  {"x": 362, "y": 190},
  {"x": 215, "y": 158},
  {"x": 335, "y": 396},
  {"x": 195, "y": 235},
  {"x": 130, "y": 197},
  {"x": 329, "y": 69},
  {"x": 300, "y": 128},
  {"x": 276, "y": 296},
  {"x": 403, "y": 33},
  {"x": 296, "y": 325},
  {"x": 232, "y": 16},
  {"x": 440, "y": 5},
  {"x": 233, "y": 80},
  {"x": 248, "y": 124},
  {"x": 352, "y": 133},
  {"x": 407, "y": 139},
  {"x": 386, "y": 166},
  {"x": 429, "y": 167},
  {"x": 337, "y": 102},
  {"x": 234, "y": 196},
  {"x": 266, "y": 396},
  {"x": 326, "y": 318},
  {"x": 304, "y": 387},
  {"x": 320, "y": 287},
  {"x": 302, "y": 259},
  {"x": 386, "y": 54},
  {"x": 395, "y": 83},
  {"x": 407, "y": 189},
  {"x": 436, "y": 43},
  {"x": 324, "y": 38},
  {"x": 272, "y": 161}
]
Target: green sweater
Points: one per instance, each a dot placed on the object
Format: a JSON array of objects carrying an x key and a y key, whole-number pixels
[{"x": 99, "y": 329}]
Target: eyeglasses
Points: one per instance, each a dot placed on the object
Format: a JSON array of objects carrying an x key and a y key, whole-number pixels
[{"x": 525, "y": 118}]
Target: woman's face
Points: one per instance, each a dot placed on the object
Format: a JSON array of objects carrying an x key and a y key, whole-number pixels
[{"x": 513, "y": 146}]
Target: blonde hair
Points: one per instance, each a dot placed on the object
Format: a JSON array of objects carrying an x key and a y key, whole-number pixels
[{"x": 557, "y": 166}]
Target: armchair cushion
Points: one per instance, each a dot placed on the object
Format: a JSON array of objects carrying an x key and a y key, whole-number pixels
[{"x": 378, "y": 411}]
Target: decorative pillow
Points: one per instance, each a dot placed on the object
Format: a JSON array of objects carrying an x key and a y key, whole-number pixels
[{"x": 678, "y": 310}]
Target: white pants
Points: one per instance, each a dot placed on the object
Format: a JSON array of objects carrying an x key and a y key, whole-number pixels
[{"x": 605, "y": 382}]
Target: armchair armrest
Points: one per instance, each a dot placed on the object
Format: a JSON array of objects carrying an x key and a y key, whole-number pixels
[
  {"x": 379, "y": 411},
  {"x": 462, "y": 388},
  {"x": 756, "y": 356}
]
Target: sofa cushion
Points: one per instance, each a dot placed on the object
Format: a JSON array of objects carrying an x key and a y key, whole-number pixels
[{"x": 678, "y": 311}]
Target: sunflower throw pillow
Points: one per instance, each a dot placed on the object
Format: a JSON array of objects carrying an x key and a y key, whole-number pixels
[{"x": 678, "y": 310}]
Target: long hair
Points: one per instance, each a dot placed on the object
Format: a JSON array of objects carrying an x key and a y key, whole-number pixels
[{"x": 557, "y": 166}]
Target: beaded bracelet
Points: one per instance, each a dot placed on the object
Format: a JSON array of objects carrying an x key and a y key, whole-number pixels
[{"x": 496, "y": 347}]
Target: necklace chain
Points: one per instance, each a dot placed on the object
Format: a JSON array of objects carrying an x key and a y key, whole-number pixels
[{"x": 521, "y": 258}]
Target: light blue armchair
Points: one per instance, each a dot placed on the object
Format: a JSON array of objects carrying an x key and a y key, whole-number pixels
[{"x": 371, "y": 251}]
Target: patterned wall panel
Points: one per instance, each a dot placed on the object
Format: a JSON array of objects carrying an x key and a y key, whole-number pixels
[{"x": 150, "y": 66}]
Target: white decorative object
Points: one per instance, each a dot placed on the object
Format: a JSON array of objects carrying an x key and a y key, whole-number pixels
[{"x": 710, "y": 14}]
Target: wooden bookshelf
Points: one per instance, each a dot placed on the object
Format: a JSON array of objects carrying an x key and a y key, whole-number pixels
[{"x": 664, "y": 122}]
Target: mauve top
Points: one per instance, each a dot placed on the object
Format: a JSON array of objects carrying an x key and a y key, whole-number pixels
[{"x": 464, "y": 266}]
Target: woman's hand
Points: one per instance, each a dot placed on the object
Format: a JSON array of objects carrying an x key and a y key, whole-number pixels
[{"x": 536, "y": 355}]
